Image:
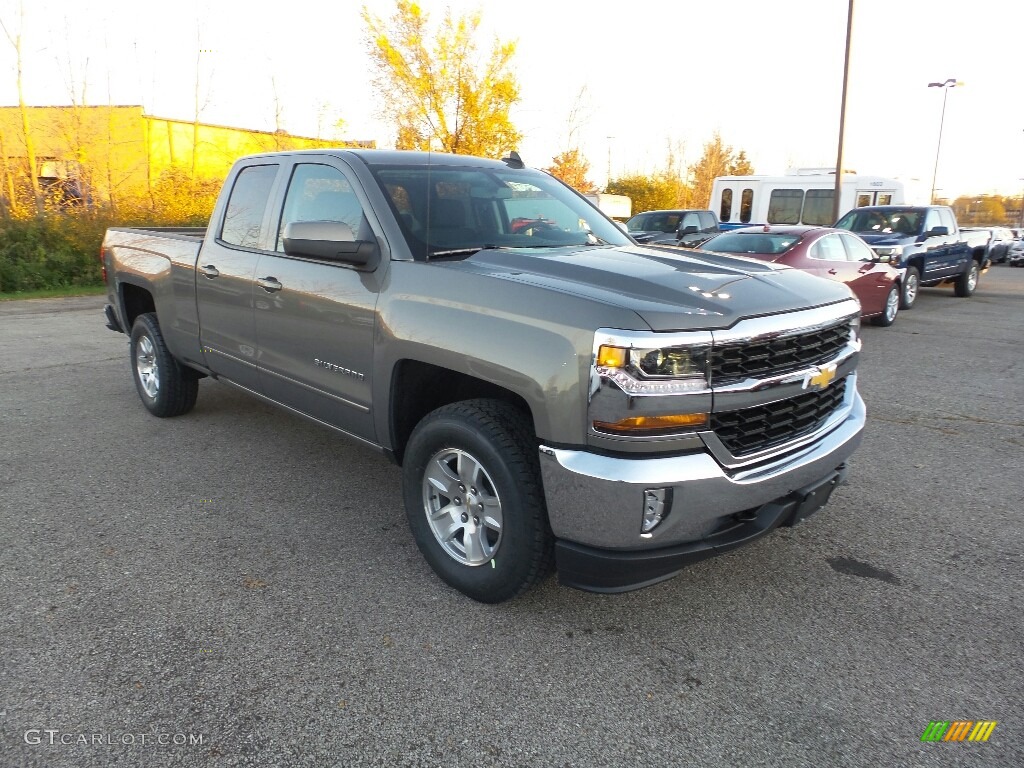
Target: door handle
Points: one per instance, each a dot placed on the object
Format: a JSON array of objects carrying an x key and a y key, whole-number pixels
[
  {"x": 269, "y": 284},
  {"x": 832, "y": 272},
  {"x": 209, "y": 271}
]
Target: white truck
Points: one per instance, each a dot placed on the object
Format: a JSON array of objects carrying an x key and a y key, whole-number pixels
[{"x": 612, "y": 206}]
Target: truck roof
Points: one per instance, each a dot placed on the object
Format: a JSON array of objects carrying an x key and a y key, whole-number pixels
[{"x": 375, "y": 157}]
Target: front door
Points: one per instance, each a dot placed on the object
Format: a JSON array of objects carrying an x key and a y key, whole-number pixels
[{"x": 315, "y": 319}]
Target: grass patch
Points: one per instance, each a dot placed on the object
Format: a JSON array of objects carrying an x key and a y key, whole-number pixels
[{"x": 56, "y": 293}]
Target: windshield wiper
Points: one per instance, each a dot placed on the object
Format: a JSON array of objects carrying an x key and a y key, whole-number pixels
[{"x": 461, "y": 251}]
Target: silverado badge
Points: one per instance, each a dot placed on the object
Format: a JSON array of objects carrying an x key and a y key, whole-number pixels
[{"x": 822, "y": 378}]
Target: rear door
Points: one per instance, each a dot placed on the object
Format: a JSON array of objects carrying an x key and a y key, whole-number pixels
[
  {"x": 315, "y": 319},
  {"x": 225, "y": 273}
]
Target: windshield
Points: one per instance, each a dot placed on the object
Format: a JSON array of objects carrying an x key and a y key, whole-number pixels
[
  {"x": 751, "y": 242},
  {"x": 866, "y": 221},
  {"x": 656, "y": 221},
  {"x": 446, "y": 210}
]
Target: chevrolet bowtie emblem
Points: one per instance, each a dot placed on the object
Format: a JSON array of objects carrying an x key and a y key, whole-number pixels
[{"x": 822, "y": 378}]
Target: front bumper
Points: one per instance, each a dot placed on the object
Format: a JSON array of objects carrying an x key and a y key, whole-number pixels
[{"x": 595, "y": 505}]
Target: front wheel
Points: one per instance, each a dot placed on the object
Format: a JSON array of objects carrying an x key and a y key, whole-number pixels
[
  {"x": 473, "y": 496},
  {"x": 166, "y": 387},
  {"x": 892, "y": 306},
  {"x": 911, "y": 287},
  {"x": 968, "y": 281}
]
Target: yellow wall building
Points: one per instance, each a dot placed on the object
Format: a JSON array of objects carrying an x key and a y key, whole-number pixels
[{"x": 104, "y": 154}]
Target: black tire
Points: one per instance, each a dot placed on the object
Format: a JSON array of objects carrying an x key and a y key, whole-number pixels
[
  {"x": 499, "y": 439},
  {"x": 176, "y": 387},
  {"x": 889, "y": 309},
  {"x": 911, "y": 288},
  {"x": 967, "y": 282}
]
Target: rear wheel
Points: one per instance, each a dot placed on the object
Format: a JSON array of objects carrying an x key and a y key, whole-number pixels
[
  {"x": 911, "y": 287},
  {"x": 473, "y": 496},
  {"x": 892, "y": 306},
  {"x": 968, "y": 281},
  {"x": 166, "y": 387}
]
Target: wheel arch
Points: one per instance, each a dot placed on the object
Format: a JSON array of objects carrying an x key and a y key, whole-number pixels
[
  {"x": 416, "y": 390},
  {"x": 135, "y": 300}
]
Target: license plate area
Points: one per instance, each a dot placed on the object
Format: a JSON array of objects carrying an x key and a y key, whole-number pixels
[{"x": 812, "y": 498}]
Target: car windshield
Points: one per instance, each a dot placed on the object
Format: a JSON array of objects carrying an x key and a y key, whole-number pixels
[
  {"x": 900, "y": 221},
  {"x": 771, "y": 243},
  {"x": 655, "y": 221},
  {"x": 458, "y": 210}
]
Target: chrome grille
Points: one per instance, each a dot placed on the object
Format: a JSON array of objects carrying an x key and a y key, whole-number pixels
[
  {"x": 731, "y": 362},
  {"x": 750, "y": 430}
]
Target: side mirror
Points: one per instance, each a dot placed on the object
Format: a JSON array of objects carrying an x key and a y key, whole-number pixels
[
  {"x": 689, "y": 230},
  {"x": 329, "y": 240},
  {"x": 937, "y": 232}
]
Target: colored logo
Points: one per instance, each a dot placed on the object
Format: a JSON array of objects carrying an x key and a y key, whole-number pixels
[
  {"x": 958, "y": 730},
  {"x": 822, "y": 378}
]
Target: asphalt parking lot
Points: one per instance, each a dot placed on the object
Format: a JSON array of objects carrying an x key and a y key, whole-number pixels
[{"x": 238, "y": 587}]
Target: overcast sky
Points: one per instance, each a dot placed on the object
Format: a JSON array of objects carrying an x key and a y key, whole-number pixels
[{"x": 767, "y": 75}]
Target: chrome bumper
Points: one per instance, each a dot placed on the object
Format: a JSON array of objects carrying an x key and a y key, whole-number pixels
[{"x": 598, "y": 500}]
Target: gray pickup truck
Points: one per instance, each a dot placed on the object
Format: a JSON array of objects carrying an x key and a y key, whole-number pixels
[{"x": 555, "y": 394}]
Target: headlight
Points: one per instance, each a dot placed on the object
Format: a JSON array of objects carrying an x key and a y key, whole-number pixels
[
  {"x": 888, "y": 251},
  {"x": 674, "y": 363},
  {"x": 661, "y": 371},
  {"x": 855, "y": 328}
]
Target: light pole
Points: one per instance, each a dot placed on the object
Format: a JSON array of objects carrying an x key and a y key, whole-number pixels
[{"x": 950, "y": 83}]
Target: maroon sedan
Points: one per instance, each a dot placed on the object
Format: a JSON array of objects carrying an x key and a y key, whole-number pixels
[{"x": 832, "y": 253}]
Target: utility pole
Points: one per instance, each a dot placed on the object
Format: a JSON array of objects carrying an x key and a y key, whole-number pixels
[
  {"x": 609, "y": 181},
  {"x": 842, "y": 117}
]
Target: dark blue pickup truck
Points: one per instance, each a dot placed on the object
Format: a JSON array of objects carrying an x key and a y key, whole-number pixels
[{"x": 926, "y": 241}]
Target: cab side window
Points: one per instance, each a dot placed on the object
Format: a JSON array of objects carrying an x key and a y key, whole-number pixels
[
  {"x": 931, "y": 221},
  {"x": 243, "y": 219},
  {"x": 322, "y": 193},
  {"x": 946, "y": 220}
]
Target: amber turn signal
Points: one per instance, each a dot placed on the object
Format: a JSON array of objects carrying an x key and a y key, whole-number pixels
[
  {"x": 611, "y": 357},
  {"x": 654, "y": 425}
]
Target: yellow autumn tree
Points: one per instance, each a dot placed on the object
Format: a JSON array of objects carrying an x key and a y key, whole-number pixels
[
  {"x": 438, "y": 91},
  {"x": 718, "y": 159},
  {"x": 572, "y": 168}
]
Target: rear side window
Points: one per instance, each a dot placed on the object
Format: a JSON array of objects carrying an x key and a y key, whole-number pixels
[
  {"x": 828, "y": 248},
  {"x": 784, "y": 206},
  {"x": 707, "y": 221},
  {"x": 243, "y": 220},
  {"x": 725, "y": 209},
  {"x": 856, "y": 249}
]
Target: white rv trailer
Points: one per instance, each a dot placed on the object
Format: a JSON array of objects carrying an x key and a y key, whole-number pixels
[{"x": 801, "y": 196}]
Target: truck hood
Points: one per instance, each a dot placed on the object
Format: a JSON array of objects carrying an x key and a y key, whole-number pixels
[
  {"x": 886, "y": 238},
  {"x": 670, "y": 289}
]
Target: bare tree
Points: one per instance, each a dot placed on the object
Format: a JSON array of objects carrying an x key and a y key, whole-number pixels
[{"x": 30, "y": 149}]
